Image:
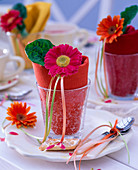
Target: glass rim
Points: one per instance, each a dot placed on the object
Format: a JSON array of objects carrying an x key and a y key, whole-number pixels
[
  {"x": 74, "y": 26},
  {"x": 88, "y": 85},
  {"x": 10, "y": 33},
  {"x": 121, "y": 54},
  {"x": 43, "y": 33}
]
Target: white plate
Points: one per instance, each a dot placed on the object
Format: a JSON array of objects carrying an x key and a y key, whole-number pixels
[
  {"x": 28, "y": 147},
  {"x": 9, "y": 83}
]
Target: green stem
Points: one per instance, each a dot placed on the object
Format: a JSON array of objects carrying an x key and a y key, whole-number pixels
[
  {"x": 52, "y": 104},
  {"x": 99, "y": 86},
  {"x": 101, "y": 59},
  {"x": 28, "y": 134},
  {"x": 24, "y": 33},
  {"x": 110, "y": 124},
  {"x": 105, "y": 93},
  {"x": 3, "y": 127},
  {"x": 17, "y": 50},
  {"x": 47, "y": 109},
  {"x": 102, "y": 88},
  {"x": 125, "y": 146}
]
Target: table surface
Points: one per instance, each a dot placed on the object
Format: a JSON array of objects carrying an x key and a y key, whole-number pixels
[{"x": 11, "y": 159}]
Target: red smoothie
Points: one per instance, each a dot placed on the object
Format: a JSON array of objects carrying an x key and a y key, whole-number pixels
[
  {"x": 122, "y": 73},
  {"x": 75, "y": 100}
]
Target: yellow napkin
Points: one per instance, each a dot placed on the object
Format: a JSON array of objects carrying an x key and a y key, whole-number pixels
[{"x": 37, "y": 15}]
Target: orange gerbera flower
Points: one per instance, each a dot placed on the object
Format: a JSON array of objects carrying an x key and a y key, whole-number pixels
[
  {"x": 18, "y": 114},
  {"x": 110, "y": 29}
]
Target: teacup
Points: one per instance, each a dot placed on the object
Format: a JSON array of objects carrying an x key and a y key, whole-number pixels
[
  {"x": 66, "y": 33},
  {"x": 5, "y": 58}
]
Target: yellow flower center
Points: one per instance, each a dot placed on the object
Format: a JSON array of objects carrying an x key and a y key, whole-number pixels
[
  {"x": 63, "y": 61},
  {"x": 112, "y": 30},
  {"x": 20, "y": 117},
  {"x": 10, "y": 20}
]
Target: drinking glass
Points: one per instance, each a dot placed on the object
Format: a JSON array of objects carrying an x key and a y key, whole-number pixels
[
  {"x": 76, "y": 101},
  {"x": 18, "y": 43}
]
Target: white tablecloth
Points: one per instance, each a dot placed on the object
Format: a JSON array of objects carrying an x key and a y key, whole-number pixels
[{"x": 11, "y": 159}]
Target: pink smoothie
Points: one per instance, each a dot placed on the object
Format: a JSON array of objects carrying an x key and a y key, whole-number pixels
[
  {"x": 122, "y": 73},
  {"x": 75, "y": 100}
]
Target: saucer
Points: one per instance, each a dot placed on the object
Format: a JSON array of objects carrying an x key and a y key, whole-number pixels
[
  {"x": 9, "y": 83},
  {"x": 126, "y": 108}
]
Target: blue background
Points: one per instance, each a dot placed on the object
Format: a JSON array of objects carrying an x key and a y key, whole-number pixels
[{"x": 69, "y": 7}]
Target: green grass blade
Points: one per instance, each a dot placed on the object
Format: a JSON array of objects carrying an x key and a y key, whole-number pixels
[{"x": 52, "y": 104}]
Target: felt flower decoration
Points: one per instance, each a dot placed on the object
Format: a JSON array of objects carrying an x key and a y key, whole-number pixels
[
  {"x": 63, "y": 60},
  {"x": 18, "y": 114},
  {"x": 10, "y": 20},
  {"x": 109, "y": 29}
]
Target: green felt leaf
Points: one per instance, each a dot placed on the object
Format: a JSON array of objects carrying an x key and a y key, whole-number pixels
[
  {"x": 37, "y": 50},
  {"x": 23, "y": 13},
  {"x": 128, "y": 15},
  {"x": 21, "y": 27},
  {"x": 20, "y": 7}
]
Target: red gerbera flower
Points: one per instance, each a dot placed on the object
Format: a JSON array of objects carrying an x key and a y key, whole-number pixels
[
  {"x": 63, "y": 60},
  {"x": 18, "y": 114},
  {"x": 110, "y": 29},
  {"x": 10, "y": 20}
]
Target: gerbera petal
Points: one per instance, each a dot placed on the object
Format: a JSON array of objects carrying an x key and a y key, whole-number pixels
[
  {"x": 53, "y": 54},
  {"x": 9, "y": 118},
  {"x": 106, "y": 23},
  {"x": 58, "y": 50},
  {"x": 49, "y": 63},
  {"x": 53, "y": 71},
  {"x": 109, "y": 18},
  {"x": 18, "y": 126},
  {"x": 13, "y": 123},
  {"x": 75, "y": 52},
  {"x": 31, "y": 114},
  {"x": 28, "y": 109},
  {"x": 30, "y": 119},
  {"x": 69, "y": 50},
  {"x": 116, "y": 19}
]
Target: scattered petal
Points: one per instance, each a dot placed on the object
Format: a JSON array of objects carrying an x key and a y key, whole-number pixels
[
  {"x": 70, "y": 154},
  {"x": 62, "y": 146},
  {"x": 50, "y": 147},
  {"x": 108, "y": 101},
  {"x": 58, "y": 143},
  {"x": 13, "y": 133},
  {"x": 2, "y": 139}
]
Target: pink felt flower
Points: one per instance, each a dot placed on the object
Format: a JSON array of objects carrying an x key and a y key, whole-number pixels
[
  {"x": 63, "y": 60},
  {"x": 10, "y": 20},
  {"x": 129, "y": 29}
]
